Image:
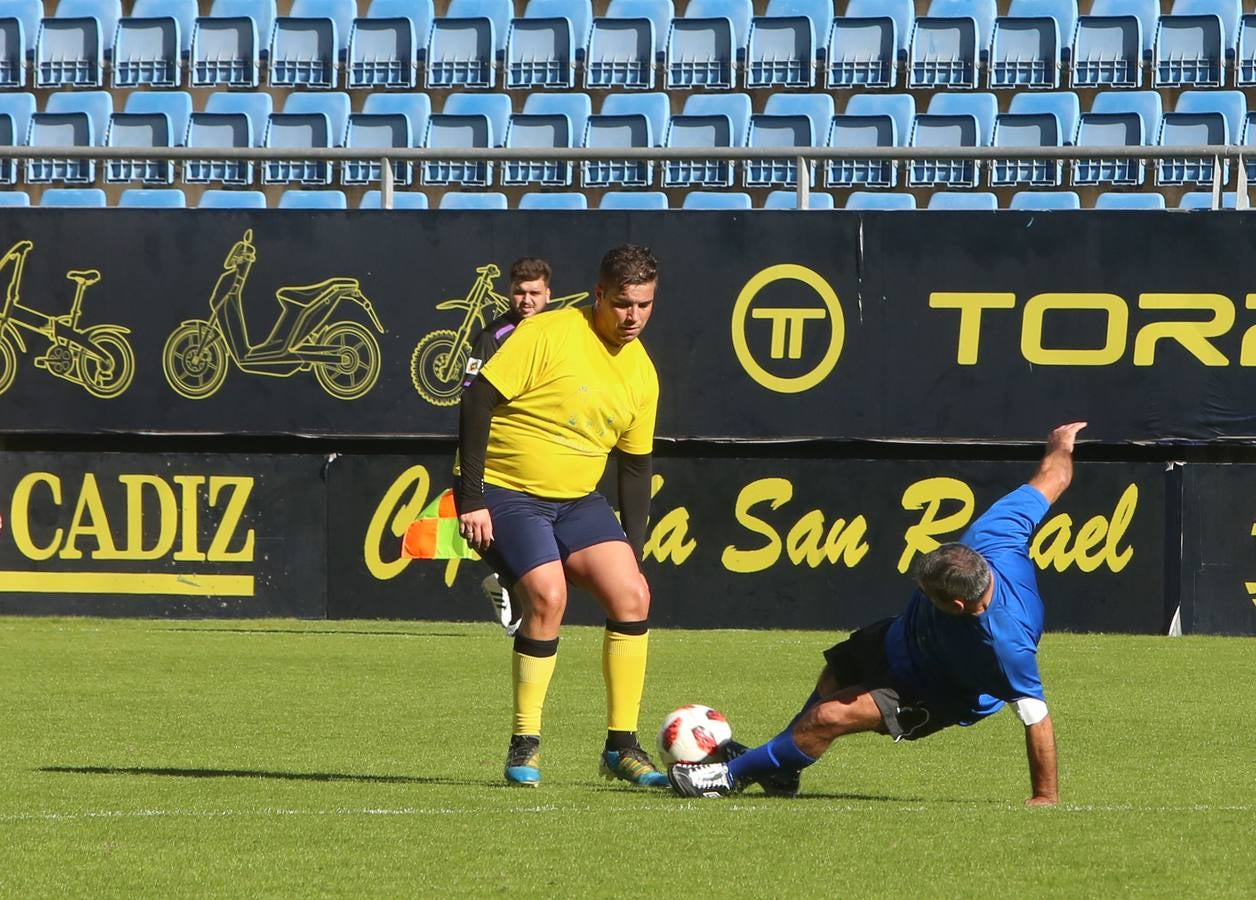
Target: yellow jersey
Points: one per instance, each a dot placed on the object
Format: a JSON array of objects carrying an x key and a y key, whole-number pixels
[{"x": 570, "y": 399}]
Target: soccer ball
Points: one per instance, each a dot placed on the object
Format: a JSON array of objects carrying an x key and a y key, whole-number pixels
[{"x": 693, "y": 734}]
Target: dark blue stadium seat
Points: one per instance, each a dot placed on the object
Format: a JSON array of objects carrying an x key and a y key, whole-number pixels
[
  {"x": 553, "y": 201},
  {"x": 69, "y": 119},
  {"x": 232, "y": 200},
  {"x": 953, "y": 120},
  {"x": 401, "y": 200},
  {"x": 468, "y": 43},
  {"x": 1031, "y": 44},
  {"x": 73, "y": 45},
  {"x": 1042, "y": 120},
  {"x": 716, "y": 200},
  {"x": 19, "y": 26},
  {"x": 153, "y": 198},
  {"x": 950, "y": 43},
  {"x": 1045, "y": 200},
  {"x": 308, "y": 44},
  {"x": 708, "y": 120},
  {"x": 472, "y": 200},
  {"x": 229, "y": 120},
  {"x": 16, "y": 110},
  {"x": 1114, "y": 200},
  {"x": 787, "y": 120},
  {"x": 14, "y": 198},
  {"x": 870, "y": 121},
  {"x": 633, "y": 200},
  {"x": 1117, "y": 119},
  {"x": 1112, "y": 43},
  {"x": 149, "y": 119},
  {"x": 151, "y": 43},
  {"x": 309, "y": 119},
  {"x": 869, "y": 43},
  {"x": 80, "y": 197},
  {"x": 386, "y": 45},
  {"x": 547, "y": 121},
  {"x": 297, "y": 199},
  {"x": 546, "y": 44},
  {"x": 963, "y": 200},
  {"x": 628, "y": 44},
  {"x": 875, "y": 200},
  {"x": 789, "y": 200},
  {"x": 788, "y": 43},
  {"x": 228, "y": 44},
  {"x": 1200, "y": 117},
  {"x": 706, "y": 46},
  {"x": 626, "y": 120},
  {"x": 1194, "y": 44}
]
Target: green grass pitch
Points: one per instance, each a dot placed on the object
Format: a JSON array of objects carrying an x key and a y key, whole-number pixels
[{"x": 281, "y": 758}]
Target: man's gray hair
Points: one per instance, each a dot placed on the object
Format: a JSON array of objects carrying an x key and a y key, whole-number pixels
[{"x": 953, "y": 571}]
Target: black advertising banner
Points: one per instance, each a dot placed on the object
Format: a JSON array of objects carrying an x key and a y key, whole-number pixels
[
  {"x": 1219, "y": 549},
  {"x": 163, "y": 535},
  {"x": 781, "y": 543},
  {"x": 768, "y": 326}
]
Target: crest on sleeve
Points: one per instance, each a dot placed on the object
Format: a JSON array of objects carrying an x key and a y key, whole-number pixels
[{"x": 474, "y": 365}]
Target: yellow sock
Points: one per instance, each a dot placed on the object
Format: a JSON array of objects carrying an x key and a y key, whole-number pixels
[
  {"x": 623, "y": 669},
  {"x": 531, "y": 676}
]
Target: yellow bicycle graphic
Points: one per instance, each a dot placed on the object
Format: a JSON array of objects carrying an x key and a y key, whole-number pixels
[
  {"x": 343, "y": 355},
  {"x": 98, "y": 358},
  {"x": 440, "y": 357}
]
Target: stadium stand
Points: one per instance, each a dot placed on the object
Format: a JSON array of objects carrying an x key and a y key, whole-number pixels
[
  {"x": 19, "y": 26},
  {"x": 1045, "y": 200},
  {"x": 74, "y": 44},
  {"x": 633, "y": 200},
  {"x": 705, "y": 46},
  {"x": 1112, "y": 200},
  {"x": 465, "y": 200},
  {"x": 152, "y": 42},
  {"x": 949, "y": 44},
  {"x": 963, "y": 200},
  {"x": 164, "y": 198},
  {"x": 388, "y": 44},
  {"x": 553, "y": 201},
  {"x": 218, "y": 199},
  {"x": 467, "y": 44},
  {"x": 1112, "y": 42},
  {"x": 789, "y": 200},
  {"x": 628, "y": 44},
  {"x": 716, "y": 200},
  {"x": 298, "y": 199},
  {"x": 868, "y": 44},
  {"x": 872, "y": 200},
  {"x": 73, "y": 197},
  {"x": 229, "y": 44},
  {"x": 1031, "y": 43},
  {"x": 401, "y": 200},
  {"x": 14, "y": 198}
]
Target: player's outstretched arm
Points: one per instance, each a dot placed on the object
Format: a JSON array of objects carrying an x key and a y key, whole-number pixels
[
  {"x": 1043, "y": 777},
  {"x": 1055, "y": 472}
]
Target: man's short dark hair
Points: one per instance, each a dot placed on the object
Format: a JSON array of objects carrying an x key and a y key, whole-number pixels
[
  {"x": 953, "y": 571},
  {"x": 529, "y": 268},
  {"x": 627, "y": 264}
]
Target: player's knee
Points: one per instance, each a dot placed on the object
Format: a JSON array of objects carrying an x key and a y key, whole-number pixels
[
  {"x": 547, "y": 601},
  {"x": 829, "y": 718},
  {"x": 635, "y": 605}
]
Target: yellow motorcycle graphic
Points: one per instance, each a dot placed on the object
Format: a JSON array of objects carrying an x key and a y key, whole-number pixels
[
  {"x": 343, "y": 355},
  {"x": 440, "y": 357},
  {"x": 99, "y": 358}
]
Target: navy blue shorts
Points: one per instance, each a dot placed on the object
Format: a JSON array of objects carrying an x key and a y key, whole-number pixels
[{"x": 529, "y": 532}]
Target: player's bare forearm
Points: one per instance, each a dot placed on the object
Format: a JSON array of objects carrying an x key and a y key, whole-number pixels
[
  {"x": 1043, "y": 774},
  {"x": 1055, "y": 472}
]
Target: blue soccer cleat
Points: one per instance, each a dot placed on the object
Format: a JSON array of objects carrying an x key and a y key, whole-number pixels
[
  {"x": 523, "y": 760},
  {"x": 632, "y": 765},
  {"x": 784, "y": 783}
]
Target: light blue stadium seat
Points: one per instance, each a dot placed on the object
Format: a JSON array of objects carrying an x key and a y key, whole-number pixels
[
  {"x": 537, "y": 200},
  {"x": 788, "y": 44},
  {"x": 706, "y": 46},
  {"x": 14, "y": 198},
  {"x": 386, "y": 45},
  {"x": 1041, "y": 120},
  {"x": 69, "y": 119},
  {"x": 377, "y": 131},
  {"x": 153, "y": 198},
  {"x": 81, "y": 197},
  {"x": 870, "y": 121},
  {"x": 467, "y": 120},
  {"x": 150, "y": 119},
  {"x": 297, "y": 199},
  {"x": 229, "y": 120},
  {"x": 950, "y": 43},
  {"x": 1113, "y": 42},
  {"x": 1117, "y": 119},
  {"x": 626, "y": 120},
  {"x": 1194, "y": 44},
  {"x": 787, "y": 120},
  {"x": 633, "y": 200},
  {"x": 1032, "y": 43},
  {"x": 547, "y": 121},
  {"x": 214, "y": 199},
  {"x": 868, "y": 44},
  {"x": 1245, "y": 55},
  {"x": 655, "y": 106},
  {"x": 152, "y": 42},
  {"x": 472, "y": 200},
  {"x": 73, "y": 45},
  {"x": 1114, "y": 200},
  {"x": 789, "y": 200},
  {"x": 19, "y": 26},
  {"x": 401, "y": 200},
  {"x": 308, "y": 44},
  {"x": 708, "y": 120},
  {"x": 1203, "y": 200},
  {"x": 627, "y": 44},
  {"x": 546, "y": 45},
  {"x": 468, "y": 44},
  {"x": 875, "y": 200},
  {"x": 16, "y": 110},
  {"x": 953, "y": 120},
  {"x": 1200, "y": 117},
  {"x": 963, "y": 200},
  {"x": 309, "y": 119},
  {"x": 716, "y": 200},
  {"x": 1045, "y": 200},
  {"x": 228, "y": 44}
]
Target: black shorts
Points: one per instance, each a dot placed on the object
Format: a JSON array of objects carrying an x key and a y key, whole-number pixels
[{"x": 861, "y": 661}]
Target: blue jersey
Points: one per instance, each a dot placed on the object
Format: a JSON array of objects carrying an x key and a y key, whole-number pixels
[{"x": 973, "y": 664}]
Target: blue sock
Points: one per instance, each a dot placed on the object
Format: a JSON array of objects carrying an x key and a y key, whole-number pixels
[{"x": 778, "y": 754}]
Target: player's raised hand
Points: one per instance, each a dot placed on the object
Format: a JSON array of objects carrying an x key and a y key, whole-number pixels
[{"x": 1064, "y": 437}]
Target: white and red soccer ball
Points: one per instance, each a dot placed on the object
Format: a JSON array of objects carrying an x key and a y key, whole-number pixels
[{"x": 693, "y": 734}]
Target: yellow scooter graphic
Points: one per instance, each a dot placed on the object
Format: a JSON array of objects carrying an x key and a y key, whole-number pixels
[
  {"x": 99, "y": 358},
  {"x": 343, "y": 355}
]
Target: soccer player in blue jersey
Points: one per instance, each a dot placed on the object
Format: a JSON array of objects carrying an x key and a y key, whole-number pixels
[{"x": 966, "y": 645}]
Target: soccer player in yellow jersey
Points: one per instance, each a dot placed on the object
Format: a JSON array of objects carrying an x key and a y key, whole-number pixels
[{"x": 535, "y": 431}]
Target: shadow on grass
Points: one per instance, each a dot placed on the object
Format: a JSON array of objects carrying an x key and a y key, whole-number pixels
[
  {"x": 758, "y": 795},
  {"x": 316, "y": 631},
  {"x": 258, "y": 773}
]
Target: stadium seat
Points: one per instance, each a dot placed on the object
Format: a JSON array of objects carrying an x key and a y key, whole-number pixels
[
  {"x": 708, "y": 120},
  {"x": 1045, "y": 200},
  {"x": 1112, "y": 43},
  {"x": 467, "y": 44},
  {"x": 789, "y": 200},
  {"x": 788, "y": 43},
  {"x": 468, "y": 120},
  {"x": 150, "y": 119},
  {"x": 553, "y": 201},
  {"x": 1042, "y": 120},
  {"x": 547, "y": 121},
  {"x": 308, "y": 44},
  {"x": 546, "y": 44},
  {"x": 627, "y": 44},
  {"x": 14, "y": 198},
  {"x": 153, "y": 198},
  {"x": 787, "y": 120},
  {"x": 705, "y": 47},
  {"x": 1031, "y": 44},
  {"x": 401, "y": 200},
  {"x": 963, "y": 200},
  {"x": 1203, "y": 200},
  {"x": 1200, "y": 118},
  {"x": 377, "y": 131},
  {"x": 228, "y": 44},
  {"x": 868, "y": 44},
  {"x": 297, "y": 199},
  {"x": 73, "y": 197},
  {"x": 633, "y": 200},
  {"x": 229, "y": 120},
  {"x": 16, "y": 110},
  {"x": 950, "y": 43},
  {"x": 232, "y": 200},
  {"x": 952, "y": 120},
  {"x": 1114, "y": 200},
  {"x": 1245, "y": 55},
  {"x": 716, "y": 200},
  {"x": 309, "y": 119},
  {"x": 1117, "y": 119},
  {"x": 73, "y": 45},
  {"x": 1194, "y": 44},
  {"x": 69, "y": 119},
  {"x": 386, "y": 45},
  {"x": 626, "y": 120},
  {"x": 875, "y": 200},
  {"x": 869, "y": 121},
  {"x": 19, "y": 25},
  {"x": 151, "y": 43},
  {"x": 472, "y": 200}
]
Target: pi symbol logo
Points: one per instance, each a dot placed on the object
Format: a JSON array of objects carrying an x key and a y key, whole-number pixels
[{"x": 788, "y": 328}]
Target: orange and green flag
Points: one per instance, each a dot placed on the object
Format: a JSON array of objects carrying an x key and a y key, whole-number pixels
[{"x": 434, "y": 534}]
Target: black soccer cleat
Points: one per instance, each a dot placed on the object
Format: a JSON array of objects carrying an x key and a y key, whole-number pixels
[{"x": 782, "y": 783}]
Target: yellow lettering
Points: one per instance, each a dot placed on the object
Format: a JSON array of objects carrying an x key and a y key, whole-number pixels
[
  {"x": 1121, "y": 518},
  {"x": 20, "y": 515},
  {"x": 847, "y": 543},
  {"x": 89, "y": 520},
  {"x": 971, "y": 306},
  {"x": 1050, "y": 545},
  {"x": 929, "y": 494},
  {"x": 1193, "y": 336},
  {"x": 669, "y": 539},
  {"x": 167, "y": 516},
  {"x": 775, "y": 491},
  {"x": 1098, "y": 541},
  {"x": 1247, "y": 353},
  {"x": 1117, "y": 314},
  {"x": 807, "y": 541},
  {"x": 190, "y": 527},
  {"x": 241, "y": 486},
  {"x": 1090, "y": 536},
  {"x": 395, "y": 516}
]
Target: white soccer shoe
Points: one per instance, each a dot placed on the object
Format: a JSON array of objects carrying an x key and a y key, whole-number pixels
[{"x": 499, "y": 599}]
